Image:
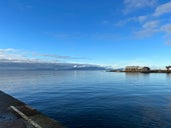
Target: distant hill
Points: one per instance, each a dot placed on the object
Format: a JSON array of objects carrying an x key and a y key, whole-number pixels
[{"x": 48, "y": 66}]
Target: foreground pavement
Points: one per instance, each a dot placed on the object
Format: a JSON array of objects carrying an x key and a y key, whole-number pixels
[{"x": 16, "y": 114}]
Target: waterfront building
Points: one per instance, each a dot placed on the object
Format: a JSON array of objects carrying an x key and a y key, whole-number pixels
[{"x": 136, "y": 69}]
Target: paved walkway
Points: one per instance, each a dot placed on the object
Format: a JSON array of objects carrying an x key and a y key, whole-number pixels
[{"x": 16, "y": 114}]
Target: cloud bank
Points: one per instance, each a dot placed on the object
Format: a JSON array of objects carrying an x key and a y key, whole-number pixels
[
  {"x": 13, "y": 59},
  {"x": 15, "y": 55}
]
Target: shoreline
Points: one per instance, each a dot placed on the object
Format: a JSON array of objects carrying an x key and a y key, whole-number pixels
[
  {"x": 14, "y": 113},
  {"x": 150, "y": 71}
]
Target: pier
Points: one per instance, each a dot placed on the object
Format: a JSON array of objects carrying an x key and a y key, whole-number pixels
[{"x": 16, "y": 114}]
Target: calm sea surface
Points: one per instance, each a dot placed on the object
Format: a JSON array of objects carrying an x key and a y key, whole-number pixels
[{"x": 94, "y": 99}]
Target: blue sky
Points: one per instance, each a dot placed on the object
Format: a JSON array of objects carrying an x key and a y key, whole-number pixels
[{"x": 104, "y": 32}]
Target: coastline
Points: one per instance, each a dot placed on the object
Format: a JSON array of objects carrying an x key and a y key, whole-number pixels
[{"x": 150, "y": 71}]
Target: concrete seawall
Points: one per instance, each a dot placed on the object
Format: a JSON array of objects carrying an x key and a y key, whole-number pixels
[{"x": 16, "y": 114}]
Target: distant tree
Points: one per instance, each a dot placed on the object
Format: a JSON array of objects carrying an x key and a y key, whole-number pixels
[{"x": 168, "y": 67}]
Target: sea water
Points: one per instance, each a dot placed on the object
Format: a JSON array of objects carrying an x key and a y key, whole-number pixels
[{"x": 94, "y": 99}]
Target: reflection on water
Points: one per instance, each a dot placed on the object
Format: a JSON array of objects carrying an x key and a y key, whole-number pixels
[
  {"x": 168, "y": 75},
  {"x": 95, "y": 99},
  {"x": 133, "y": 75}
]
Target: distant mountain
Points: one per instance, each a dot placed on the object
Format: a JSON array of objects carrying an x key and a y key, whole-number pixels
[{"x": 48, "y": 66}]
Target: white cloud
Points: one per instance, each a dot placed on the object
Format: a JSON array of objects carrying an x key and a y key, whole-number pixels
[
  {"x": 151, "y": 24},
  {"x": 148, "y": 29},
  {"x": 142, "y": 18},
  {"x": 15, "y": 55},
  {"x": 7, "y": 50},
  {"x": 163, "y": 9},
  {"x": 145, "y": 32},
  {"x": 166, "y": 28},
  {"x": 56, "y": 56},
  {"x": 136, "y": 19},
  {"x": 131, "y": 5}
]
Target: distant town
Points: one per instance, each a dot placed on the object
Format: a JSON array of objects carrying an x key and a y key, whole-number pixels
[{"x": 141, "y": 69}]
